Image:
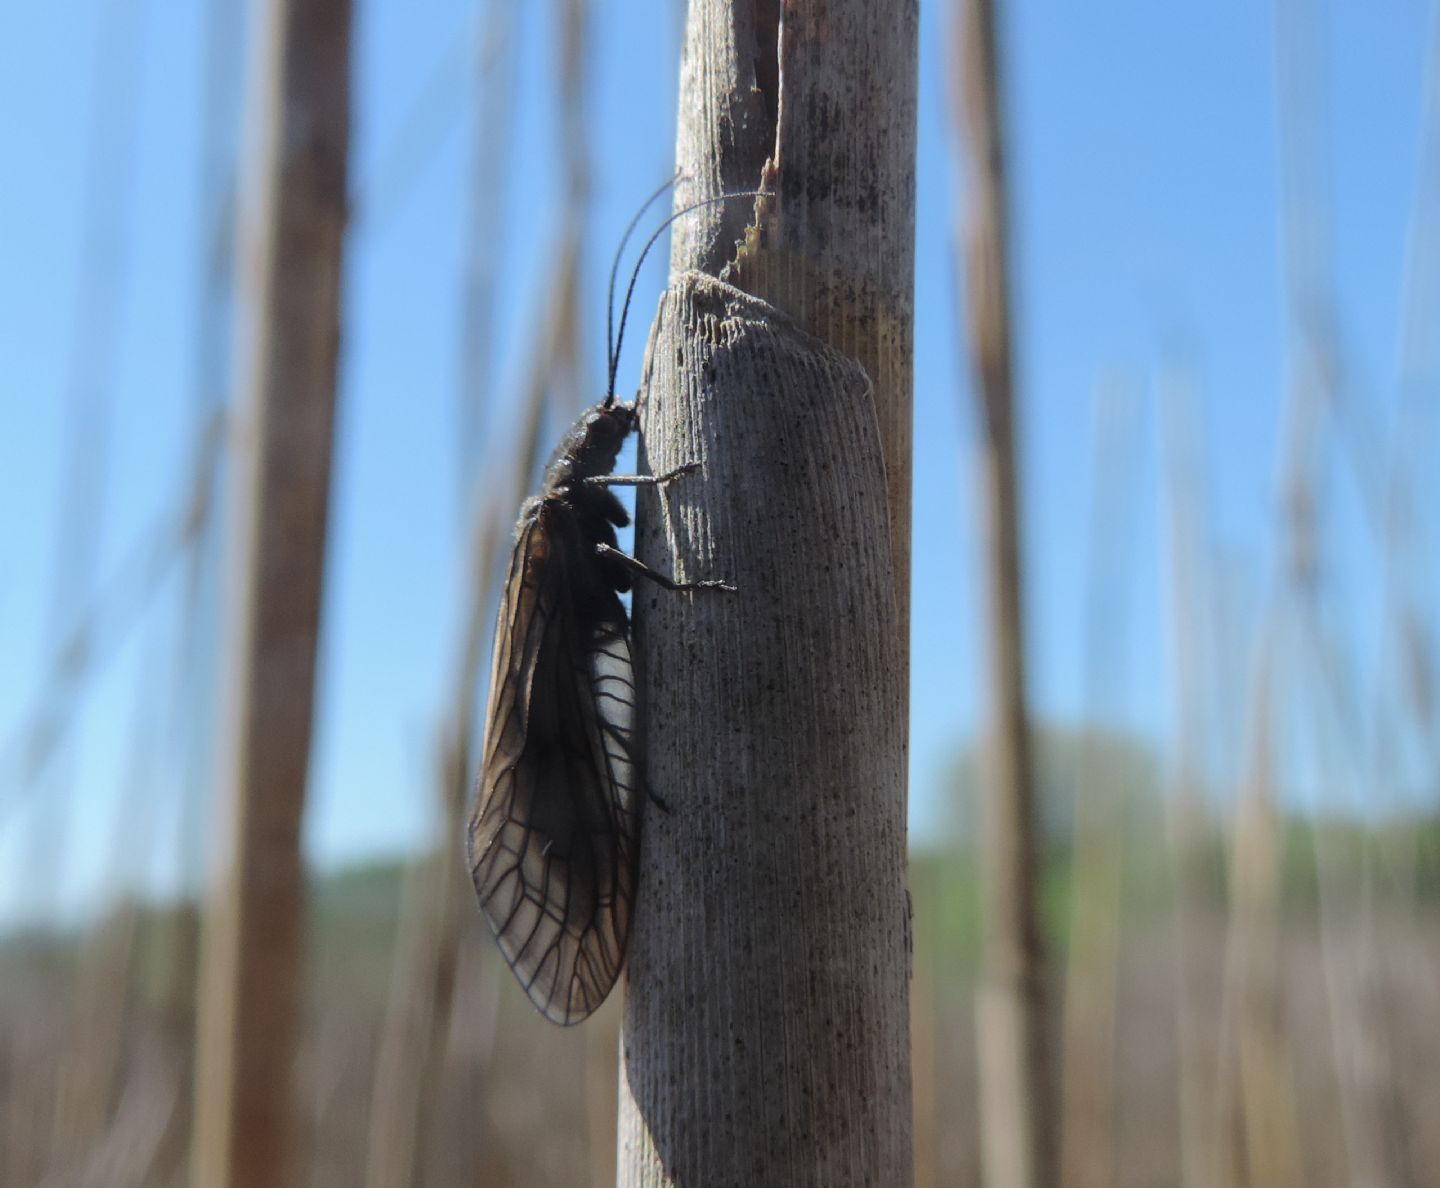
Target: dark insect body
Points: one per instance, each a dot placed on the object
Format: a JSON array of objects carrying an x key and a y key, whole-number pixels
[
  {"x": 554, "y": 837},
  {"x": 554, "y": 834}
]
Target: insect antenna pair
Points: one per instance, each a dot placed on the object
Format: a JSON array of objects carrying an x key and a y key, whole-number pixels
[{"x": 554, "y": 833}]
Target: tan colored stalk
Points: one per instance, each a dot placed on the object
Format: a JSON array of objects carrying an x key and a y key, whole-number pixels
[
  {"x": 247, "y": 1129},
  {"x": 766, "y": 1035},
  {"x": 1017, "y": 1110}
]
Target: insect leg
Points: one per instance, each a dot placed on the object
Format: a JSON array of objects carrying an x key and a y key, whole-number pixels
[
  {"x": 640, "y": 569},
  {"x": 641, "y": 480}
]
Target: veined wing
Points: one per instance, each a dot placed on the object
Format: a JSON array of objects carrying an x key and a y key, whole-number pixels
[{"x": 554, "y": 834}]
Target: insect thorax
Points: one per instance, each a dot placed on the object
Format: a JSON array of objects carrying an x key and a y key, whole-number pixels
[{"x": 591, "y": 445}]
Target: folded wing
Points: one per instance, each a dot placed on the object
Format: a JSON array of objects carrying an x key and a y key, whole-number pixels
[{"x": 554, "y": 834}]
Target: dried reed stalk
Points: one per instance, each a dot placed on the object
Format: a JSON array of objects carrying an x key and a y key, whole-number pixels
[
  {"x": 1189, "y": 586},
  {"x": 1017, "y": 1112},
  {"x": 766, "y": 1034},
  {"x": 1374, "y": 1143},
  {"x": 1259, "y": 1138},
  {"x": 245, "y": 1115},
  {"x": 1087, "y": 1153}
]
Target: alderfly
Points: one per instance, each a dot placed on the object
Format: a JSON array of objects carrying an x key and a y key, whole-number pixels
[{"x": 554, "y": 834}]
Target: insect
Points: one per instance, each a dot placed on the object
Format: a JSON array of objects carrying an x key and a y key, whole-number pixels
[{"x": 554, "y": 834}]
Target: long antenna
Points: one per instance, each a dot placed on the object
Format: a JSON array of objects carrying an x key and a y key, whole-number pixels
[
  {"x": 610, "y": 351},
  {"x": 635, "y": 275}
]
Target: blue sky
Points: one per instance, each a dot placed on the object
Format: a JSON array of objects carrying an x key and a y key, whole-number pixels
[{"x": 1146, "y": 161}]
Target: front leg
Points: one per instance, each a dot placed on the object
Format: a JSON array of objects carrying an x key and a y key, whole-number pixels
[
  {"x": 640, "y": 480},
  {"x": 640, "y": 569}
]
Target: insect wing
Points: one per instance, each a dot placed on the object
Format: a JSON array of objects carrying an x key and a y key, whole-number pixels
[{"x": 554, "y": 835}]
